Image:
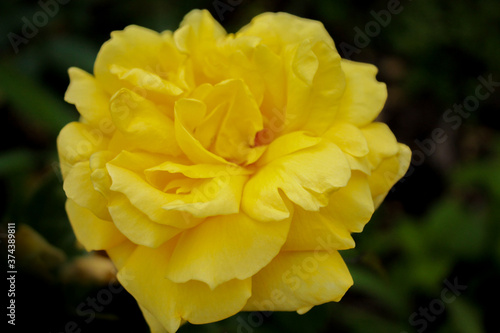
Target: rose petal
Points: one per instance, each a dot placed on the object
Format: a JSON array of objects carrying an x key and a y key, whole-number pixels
[
  {"x": 364, "y": 97},
  {"x": 359, "y": 163},
  {"x": 352, "y": 205},
  {"x": 77, "y": 142},
  {"x": 120, "y": 253},
  {"x": 133, "y": 47},
  {"x": 99, "y": 174},
  {"x": 314, "y": 230},
  {"x": 295, "y": 281},
  {"x": 349, "y": 138},
  {"x": 197, "y": 36},
  {"x": 91, "y": 231},
  {"x": 389, "y": 171},
  {"x": 148, "y": 84},
  {"x": 89, "y": 97},
  {"x": 143, "y": 124},
  {"x": 272, "y": 72},
  {"x": 144, "y": 277},
  {"x": 217, "y": 196},
  {"x": 142, "y": 195},
  {"x": 305, "y": 177},
  {"x": 197, "y": 29},
  {"x": 237, "y": 248},
  {"x": 136, "y": 225},
  {"x": 242, "y": 120},
  {"x": 278, "y": 29},
  {"x": 381, "y": 143},
  {"x": 286, "y": 145},
  {"x": 155, "y": 326},
  {"x": 78, "y": 186},
  {"x": 188, "y": 115},
  {"x": 316, "y": 84}
]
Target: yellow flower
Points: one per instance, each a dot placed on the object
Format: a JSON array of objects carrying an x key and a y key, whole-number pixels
[{"x": 223, "y": 172}]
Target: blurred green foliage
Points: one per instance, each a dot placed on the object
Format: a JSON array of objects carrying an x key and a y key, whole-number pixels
[{"x": 439, "y": 224}]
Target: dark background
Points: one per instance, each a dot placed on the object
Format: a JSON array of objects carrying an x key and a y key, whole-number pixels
[{"x": 438, "y": 227}]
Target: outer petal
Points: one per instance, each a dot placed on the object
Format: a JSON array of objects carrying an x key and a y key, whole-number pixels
[
  {"x": 120, "y": 253},
  {"x": 148, "y": 84},
  {"x": 144, "y": 277},
  {"x": 91, "y": 231},
  {"x": 349, "y": 138},
  {"x": 311, "y": 231},
  {"x": 136, "y": 225},
  {"x": 198, "y": 26},
  {"x": 79, "y": 187},
  {"x": 134, "y": 47},
  {"x": 155, "y": 326},
  {"x": 197, "y": 36},
  {"x": 381, "y": 143},
  {"x": 359, "y": 163},
  {"x": 279, "y": 29},
  {"x": 352, "y": 205},
  {"x": 77, "y": 142},
  {"x": 90, "y": 99},
  {"x": 315, "y": 87},
  {"x": 144, "y": 79},
  {"x": 224, "y": 248},
  {"x": 99, "y": 174},
  {"x": 364, "y": 97},
  {"x": 306, "y": 177},
  {"x": 295, "y": 281},
  {"x": 388, "y": 173},
  {"x": 348, "y": 210}
]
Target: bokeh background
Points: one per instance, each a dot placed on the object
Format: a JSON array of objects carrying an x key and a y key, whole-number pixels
[{"x": 438, "y": 227}]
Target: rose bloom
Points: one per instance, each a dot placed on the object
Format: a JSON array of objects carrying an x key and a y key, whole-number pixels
[{"x": 223, "y": 172}]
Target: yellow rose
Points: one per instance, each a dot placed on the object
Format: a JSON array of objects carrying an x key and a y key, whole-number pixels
[{"x": 223, "y": 172}]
